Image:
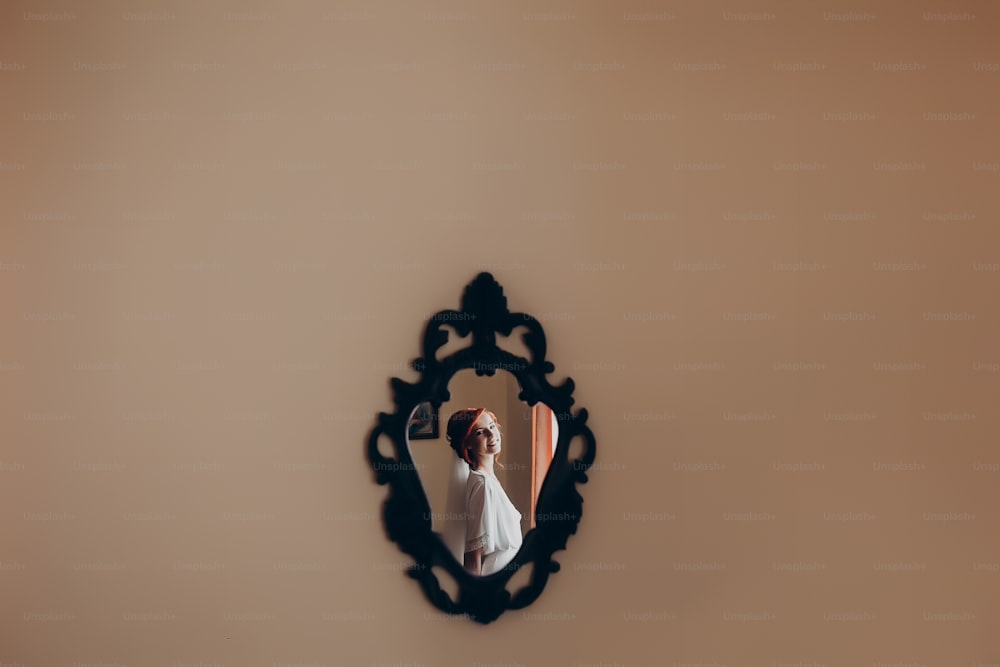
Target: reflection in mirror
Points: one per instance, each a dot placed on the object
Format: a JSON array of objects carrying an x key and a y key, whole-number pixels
[{"x": 481, "y": 470}]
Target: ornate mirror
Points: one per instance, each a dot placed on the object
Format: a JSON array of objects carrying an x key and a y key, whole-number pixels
[{"x": 477, "y": 458}]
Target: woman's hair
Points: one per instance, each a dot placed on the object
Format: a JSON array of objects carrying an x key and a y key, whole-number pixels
[{"x": 460, "y": 426}]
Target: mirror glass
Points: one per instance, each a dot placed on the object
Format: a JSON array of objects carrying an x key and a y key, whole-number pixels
[{"x": 470, "y": 508}]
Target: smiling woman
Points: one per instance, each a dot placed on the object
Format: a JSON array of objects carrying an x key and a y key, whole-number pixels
[{"x": 491, "y": 534}]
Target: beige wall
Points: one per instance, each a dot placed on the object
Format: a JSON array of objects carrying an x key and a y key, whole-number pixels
[{"x": 762, "y": 238}]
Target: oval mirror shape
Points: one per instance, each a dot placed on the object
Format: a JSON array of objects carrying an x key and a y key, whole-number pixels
[
  {"x": 496, "y": 508},
  {"x": 511, "y": 451}
]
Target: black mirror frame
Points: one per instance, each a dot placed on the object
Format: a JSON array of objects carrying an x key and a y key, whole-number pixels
[{"x": 407, "y": 512}]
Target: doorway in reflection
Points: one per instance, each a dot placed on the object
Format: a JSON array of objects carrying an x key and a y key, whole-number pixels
[{"x": 544, "y": 436}]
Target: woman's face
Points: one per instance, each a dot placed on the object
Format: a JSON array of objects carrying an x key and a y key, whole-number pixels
[{"x": 484, "y": 437}]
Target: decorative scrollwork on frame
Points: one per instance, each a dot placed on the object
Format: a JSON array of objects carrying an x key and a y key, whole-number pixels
[{"x": 482, "y": 317}]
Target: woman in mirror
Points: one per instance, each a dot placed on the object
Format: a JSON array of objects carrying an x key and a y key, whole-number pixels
[{"x": 492, "y": 534}]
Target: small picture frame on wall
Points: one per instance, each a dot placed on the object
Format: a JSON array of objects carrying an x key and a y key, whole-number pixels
[{"x": 423, "y": 424}]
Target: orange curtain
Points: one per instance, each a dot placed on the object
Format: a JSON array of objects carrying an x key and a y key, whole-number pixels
[{"x": 541, "y": 451}]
